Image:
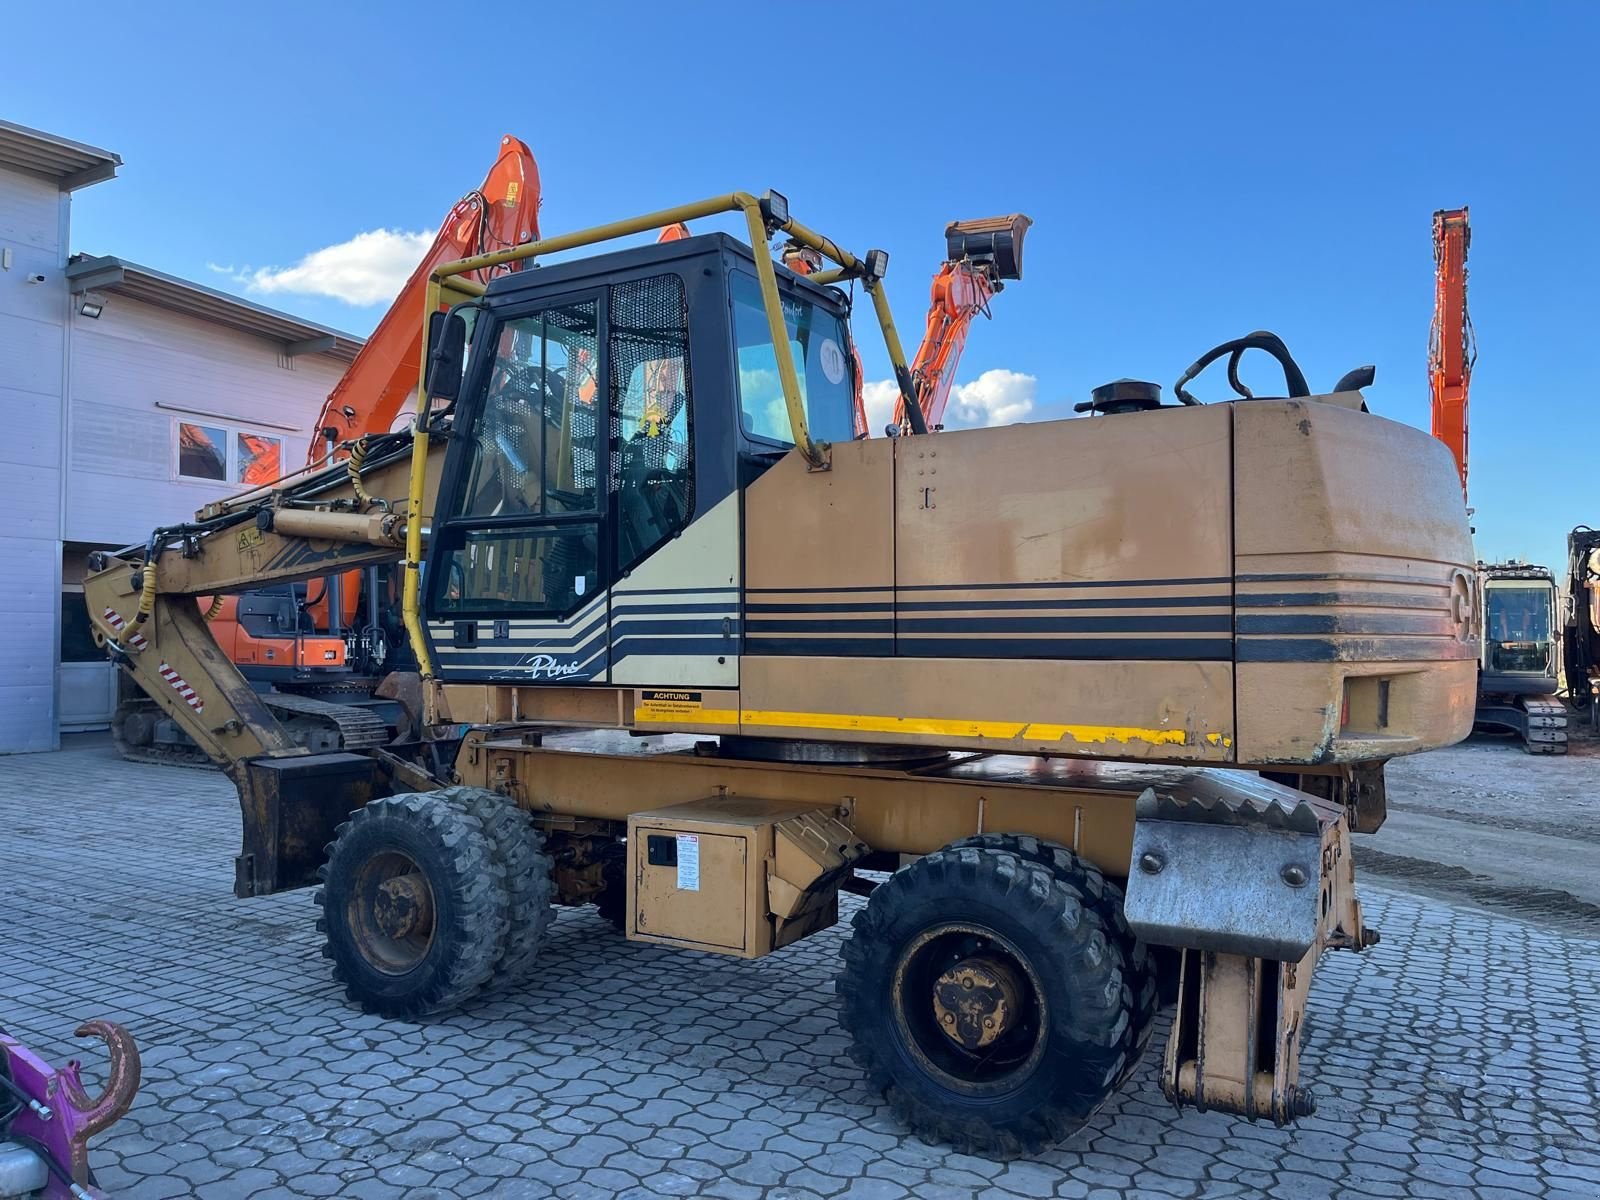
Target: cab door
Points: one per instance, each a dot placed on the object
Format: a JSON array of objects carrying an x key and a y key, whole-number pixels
[
  {"x": 520, "y": 556},
  {"x": 675, "y": 523}
]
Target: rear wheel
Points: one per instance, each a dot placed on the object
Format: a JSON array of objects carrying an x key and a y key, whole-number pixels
[
  {"x": 414, "y": 909},
  {"x": 985, "y": 999},
  {"x": 1141, "y": 967}
]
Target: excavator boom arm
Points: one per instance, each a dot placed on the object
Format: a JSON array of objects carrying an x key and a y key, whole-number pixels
[
  {"x": 1451, "y": 348},
  {"x": 982, "y": 254},
  {"x": 382, "y": 381},
  {"x": 148, "y": 623},
  {"x": 960, "y": 293}
]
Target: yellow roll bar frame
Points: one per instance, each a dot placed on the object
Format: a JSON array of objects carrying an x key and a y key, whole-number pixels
[{"x": 448, "y": 285}]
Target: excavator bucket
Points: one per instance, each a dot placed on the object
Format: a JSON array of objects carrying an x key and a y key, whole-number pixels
[{"x": 996, "y": 240}]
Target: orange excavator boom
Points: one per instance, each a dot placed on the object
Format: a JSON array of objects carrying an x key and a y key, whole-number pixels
[
  {"x": 982, "y": 254},
  {"x": 1451, "y": 346},
  {"x": 382, "y": 380}
]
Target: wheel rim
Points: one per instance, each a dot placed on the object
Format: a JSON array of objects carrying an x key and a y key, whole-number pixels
[
  {"x": 391, "y": 912},
  {"x": 969, "y": 1008}
]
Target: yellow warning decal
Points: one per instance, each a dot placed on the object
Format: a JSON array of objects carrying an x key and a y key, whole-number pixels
[
  {"x": 513, "y": 190},
  {"x": 673, "y": 704}
]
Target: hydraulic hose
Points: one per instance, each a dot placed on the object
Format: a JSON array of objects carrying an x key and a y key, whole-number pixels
[
  {"x": 358, "y": 456},
  {"x": 147, "y": 594},
  {"x": 1294, "y": 378}
]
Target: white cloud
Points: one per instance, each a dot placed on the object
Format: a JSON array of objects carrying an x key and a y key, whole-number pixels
[
  {"x": 878, "y": 397},
  {"x": 997, "y": 397},
  {"x": 370, "y": 268}
]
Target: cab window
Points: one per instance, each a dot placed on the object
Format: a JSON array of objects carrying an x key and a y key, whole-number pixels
[
  {"x": 819, "y": 346},
  {"x": 651, "y": 427},
  {"x": 534, "y": 451}
]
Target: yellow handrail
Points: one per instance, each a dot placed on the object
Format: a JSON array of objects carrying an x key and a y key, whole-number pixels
[{"x": 447, "y": 279}]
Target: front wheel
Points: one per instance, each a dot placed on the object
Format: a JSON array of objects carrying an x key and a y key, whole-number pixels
[
  {"x": 414, "y": 908},
  {"x": 985, "y": 999}
]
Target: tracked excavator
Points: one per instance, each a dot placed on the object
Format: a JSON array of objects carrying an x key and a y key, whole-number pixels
[
  {"x": 692, "y": 651},
  {"x": 317, "y": 650},
  {"x": 1519, "y": 658}
]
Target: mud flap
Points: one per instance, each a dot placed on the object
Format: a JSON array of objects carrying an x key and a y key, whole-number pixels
[
  {"x": 1239, "y": 880},
  {"x": 1252, "y": 881}
]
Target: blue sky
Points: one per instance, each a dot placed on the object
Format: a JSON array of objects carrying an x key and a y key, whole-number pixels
[{"x": 1195, "y": 171}]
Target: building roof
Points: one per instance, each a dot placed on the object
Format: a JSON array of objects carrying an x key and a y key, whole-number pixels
[
  {"x": 71, "y": 165},
  {"x": 118, "y": 277}
]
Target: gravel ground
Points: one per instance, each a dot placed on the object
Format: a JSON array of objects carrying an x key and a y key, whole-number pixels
[{"x": 1487, "y": 822}]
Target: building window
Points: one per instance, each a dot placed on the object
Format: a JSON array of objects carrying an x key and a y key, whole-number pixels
[
  {"x": 221, "y": 454},
  {"x": 259, "y": 458},
  {"x": 202, "y": 451}
]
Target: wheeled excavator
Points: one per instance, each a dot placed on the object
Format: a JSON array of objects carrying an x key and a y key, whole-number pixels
[
  {"x": 690, "y": 649},
  {"x": 1519, "y": 658},
  {"x": 317, "y": 650}
]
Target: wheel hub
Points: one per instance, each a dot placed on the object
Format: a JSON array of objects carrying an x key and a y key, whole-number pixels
[
  {"x": 402, "y": 906},
  {"x": 977, "y": 1000}
]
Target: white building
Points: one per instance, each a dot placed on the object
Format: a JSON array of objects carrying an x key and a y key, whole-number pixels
[{"x": 129, "y": 398}]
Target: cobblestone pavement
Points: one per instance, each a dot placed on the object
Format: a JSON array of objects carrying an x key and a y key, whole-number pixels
[{"x": 1459, "y": 1058}]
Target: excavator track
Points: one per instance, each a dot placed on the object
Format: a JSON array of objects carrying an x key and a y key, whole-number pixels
[
  {"x": 316, "y": 724},
  {"x": 1546, "y": 729},
  {"x": 358, "y": 728},
  {"x": 1540, "y": 721},
  {"x": 134, "y": 744}
]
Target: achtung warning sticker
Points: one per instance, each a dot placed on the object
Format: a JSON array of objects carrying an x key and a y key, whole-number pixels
[
  {"x": 661, "y": 703},
  {"x": 668, "y": 706}
]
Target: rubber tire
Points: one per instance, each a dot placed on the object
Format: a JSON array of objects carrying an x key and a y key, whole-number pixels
[
  {"x": 1068, "y": 944},
  {"x": 469, "y": 895},
  {"x": 1141, "y": 966},
  {"x": 613, "y": 899},
  {"x": 516, "y": 848}
]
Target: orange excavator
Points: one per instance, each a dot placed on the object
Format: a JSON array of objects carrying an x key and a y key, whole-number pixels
[
  {"x": 980, "y": 256},
  {"x": 313, "y": 644},
  {"x": 1452, "y": 349},
  {"x": 1519, "y": 653}
]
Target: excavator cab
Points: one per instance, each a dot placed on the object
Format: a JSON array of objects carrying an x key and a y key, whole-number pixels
[{"x": 611, "y": 407}]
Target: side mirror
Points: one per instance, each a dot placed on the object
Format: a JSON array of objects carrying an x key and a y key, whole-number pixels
[{"x": 447, "y": 337}]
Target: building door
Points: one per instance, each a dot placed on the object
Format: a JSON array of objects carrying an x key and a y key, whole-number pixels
[{"x": 88, "y": 680}]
